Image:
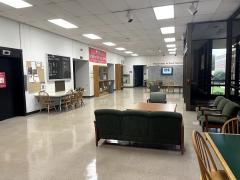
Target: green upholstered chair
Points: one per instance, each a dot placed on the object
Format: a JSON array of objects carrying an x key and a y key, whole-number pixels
[
  {"x": 216, "y": 120},
  {"x": 201, "y": 107},
  {"x": 154, "y": 88},
  {"x": 157, "y": 97}
]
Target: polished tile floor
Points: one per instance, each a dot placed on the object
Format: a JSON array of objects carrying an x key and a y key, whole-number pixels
[{"x": 61, "y": 146}]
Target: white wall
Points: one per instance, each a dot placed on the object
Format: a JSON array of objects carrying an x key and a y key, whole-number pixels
[
  {"x": 37, "y": 43},
  {"x": 129, "y": 62},
  {"x": 82, "y": 76}
]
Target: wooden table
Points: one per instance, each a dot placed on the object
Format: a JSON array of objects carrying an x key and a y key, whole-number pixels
[
  {"x": 227, "y": 149},
  {"x": 153, "y": 107},
  {"x": 56, "y": 96}
]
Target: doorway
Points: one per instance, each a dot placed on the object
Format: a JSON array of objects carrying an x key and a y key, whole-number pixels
[
  {"x": 12, "y": 93},
  {"x": 138, "y": 75},
  {"x": 81, "y": 74}
]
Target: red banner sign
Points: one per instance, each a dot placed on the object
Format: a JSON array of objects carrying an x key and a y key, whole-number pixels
[
  {"x": 2, "y": 80},
  {"x": 97, "y": 56}
]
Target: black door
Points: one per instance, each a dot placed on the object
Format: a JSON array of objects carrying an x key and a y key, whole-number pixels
[
  {"x": 12, "y": 97},
  {"x": 138, "y": 76}
]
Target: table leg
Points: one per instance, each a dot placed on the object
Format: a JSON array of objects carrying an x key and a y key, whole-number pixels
[{"x": 60, "y": 107}]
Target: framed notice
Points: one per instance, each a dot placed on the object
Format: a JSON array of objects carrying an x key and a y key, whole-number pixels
[
  {"x": 3, "y": 80},
  {"x": 97, "y": 56}
]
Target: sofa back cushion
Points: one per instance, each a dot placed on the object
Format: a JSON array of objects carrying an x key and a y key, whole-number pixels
[
  {"x": 135, "y": 125},
  {"x": 230, "y": 109},
  {"x": 157, "y": 97},
  {"x": 165, "y": 127},
  {"x": 108, "y": 123},
  {"x": 217, "y": 100},
  {"x": 222, "y": 103}
]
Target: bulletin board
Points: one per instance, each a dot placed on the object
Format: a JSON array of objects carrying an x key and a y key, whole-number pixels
[{"x": 35, "y": 76}]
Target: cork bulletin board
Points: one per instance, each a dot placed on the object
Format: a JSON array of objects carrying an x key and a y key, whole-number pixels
[{"x": 35, "y": 76}]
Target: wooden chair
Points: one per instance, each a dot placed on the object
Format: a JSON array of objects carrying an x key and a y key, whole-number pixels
[
  {"x": 231, "y": 126},
  {"x": 67, "y": 100},
  {"x": 171, "y": 86},
  {"x": 45, "y": 101},
  {"x": 76, "y": 98},
  {"x": 81, "y": 96},
  {"x": 207, "y": 165}
]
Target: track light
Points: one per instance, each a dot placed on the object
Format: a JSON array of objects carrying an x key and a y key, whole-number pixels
[
  {"x": 129, "y": 16},
  {"x": 192, "y": 9}
]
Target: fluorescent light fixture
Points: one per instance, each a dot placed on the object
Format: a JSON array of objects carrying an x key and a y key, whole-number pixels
[
  {"x": 172, "y": 53},
  {"x": 92, "y": 36},
  {"x": 167, "y": 40},
  {"x": 120, "y": 48},
  {"x": 172, "y": 49},
  {"x": 168, "y": 30},
  {"x": 63, "y": 23},
  {"x": 171, "y": 45},
  {"x": 109, "y": 44},
  {"x": 134, "y": 54},
  {"x": 164, "y": 12},
  {"x": 16, "y": 3},
  {"x": 128, "y": 52}
]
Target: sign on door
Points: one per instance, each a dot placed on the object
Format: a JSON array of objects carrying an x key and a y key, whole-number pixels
[{"x": 2, "y": 80}]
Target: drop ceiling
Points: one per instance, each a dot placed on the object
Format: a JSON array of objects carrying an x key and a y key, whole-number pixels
[{"x": 102, "y": 17}]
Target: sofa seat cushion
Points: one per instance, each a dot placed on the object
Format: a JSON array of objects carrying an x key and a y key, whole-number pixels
[{"x": 212, "y": 120}]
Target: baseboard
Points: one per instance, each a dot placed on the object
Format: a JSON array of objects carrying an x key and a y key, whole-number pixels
[
  {"x": 88, "y": 96},
  {"x": 33, "y": 112},
  {"x": 128, "y": 87}
]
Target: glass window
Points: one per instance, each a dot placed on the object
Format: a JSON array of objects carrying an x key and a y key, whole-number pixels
[{"x": 218, "y": 71}]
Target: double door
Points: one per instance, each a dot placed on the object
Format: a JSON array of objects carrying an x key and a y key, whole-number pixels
[{"x": 12, "y": 94}]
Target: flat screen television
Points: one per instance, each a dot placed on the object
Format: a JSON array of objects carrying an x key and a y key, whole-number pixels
[{"x": 167, "y": 71}]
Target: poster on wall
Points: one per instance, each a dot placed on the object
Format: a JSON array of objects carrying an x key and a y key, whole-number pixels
[
  {"x": 35, "y": 76},
  {"x": 97, "y": 56},
  {"x": 3, "y": 83}
]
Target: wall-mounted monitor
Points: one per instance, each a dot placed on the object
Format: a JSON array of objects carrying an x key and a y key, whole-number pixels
[
  {"x": 59, "y": 68},
  {"x": 167, "y": 71}
]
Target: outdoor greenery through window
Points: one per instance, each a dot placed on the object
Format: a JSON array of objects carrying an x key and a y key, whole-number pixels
[{"x": 218, "y": 67}]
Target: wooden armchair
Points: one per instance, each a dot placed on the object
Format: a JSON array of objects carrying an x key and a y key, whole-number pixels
[
  {"x": 45, "y": 101},
  {"x": 67, "y": 100},
  {"x": 170, "y": 86},
  {"x": 231, "y": 126},
  {"x": 206, "y": 162}
]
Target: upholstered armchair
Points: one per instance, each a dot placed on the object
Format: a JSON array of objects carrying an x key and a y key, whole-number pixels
[{"x": 157, "y": 97}]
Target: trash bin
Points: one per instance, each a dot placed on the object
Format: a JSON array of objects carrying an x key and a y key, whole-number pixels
[{"x": 111, "y": 86}]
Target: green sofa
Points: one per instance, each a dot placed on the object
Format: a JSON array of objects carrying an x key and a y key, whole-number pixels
[{"x": 165, "y": 128}]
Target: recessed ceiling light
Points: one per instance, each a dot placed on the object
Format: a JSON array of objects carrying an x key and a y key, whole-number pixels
[
  {"x": 92, "y": 36},
  {"x": 16, "y": 3},
  {"x": 172, "y": 49},
  {"x": 172, "y": 52},
  {"x": 168, "y": 30},
  {"x": 63, "y": 23},
  {"x": 128, "y": 52},
  {"x": 164, "y": 12},
  {"x": 120, "y": 48},
  {"x": 109, "y": 43},
  {"x": 134, "y": 54},
  {"x": 171, "y": 45},
  {"x": 169, "y": 40}
]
